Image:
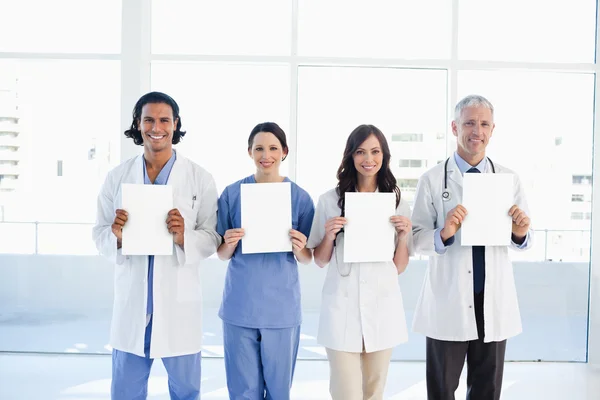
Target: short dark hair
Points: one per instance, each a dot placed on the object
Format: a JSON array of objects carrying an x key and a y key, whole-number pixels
[
  {"x": 270, "y": 127},
  {"x": 153, "y": 98}
]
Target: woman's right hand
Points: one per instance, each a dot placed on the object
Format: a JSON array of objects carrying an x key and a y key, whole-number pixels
[
  {"x": 333, "y": 226},
  {"x": 233, "y": 236}
]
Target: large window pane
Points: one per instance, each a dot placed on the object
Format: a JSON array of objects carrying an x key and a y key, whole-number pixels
[
  {"x": 544, "y": 132},
  {"x": 61, "y": 135},
  {"x": 379, "y": 28},
  {"x": 527, "y": 30},
  {"x": 60, "y": 26},
  {"x": 67, "y": 116},
  {"x": 409, "y": 106},
  {"x": 220, "y": 104},
  {"x": 259, "y": 27},
  {"x": 50, "y": 239}
]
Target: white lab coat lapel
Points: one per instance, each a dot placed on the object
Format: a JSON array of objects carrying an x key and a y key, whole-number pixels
[{"x": 455, "y": 185}]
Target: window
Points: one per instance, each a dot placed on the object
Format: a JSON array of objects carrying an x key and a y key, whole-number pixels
[
  {"x": 527, "y": 30},
  {"x": 407, "y": 137},
  {"x": 318, "y": 68},
  {"x": 219, "y": 106},
  {"x": 552, "y": 166},
  {"x": 581, "y": 215},
  {"x": 55, "y": 105},
  {"x": 396, "y": 29},
  {"x": 61, "y": 26},
  {"x": 354, "y": 96},
  {"x": 524, "y": 141},
  {"x": 407, "y": 183},
  {"x": 412, "y": 163},
  {"x": 259, "y": 27},
  {"x": 582, "y": 179}
]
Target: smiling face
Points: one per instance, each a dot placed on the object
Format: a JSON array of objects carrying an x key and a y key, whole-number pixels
[
  {"x": 368, "y": 157},
  {"x": 473, "y": 131},
  {"x": 157, "y": 126},
  {"x": 267, "y": 153}
]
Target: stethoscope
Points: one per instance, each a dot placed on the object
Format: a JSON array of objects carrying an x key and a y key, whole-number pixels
[{"x": 446, "y": 193}]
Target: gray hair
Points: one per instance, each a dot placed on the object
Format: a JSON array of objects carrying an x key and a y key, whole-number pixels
[{"x": 472, "y": 100}]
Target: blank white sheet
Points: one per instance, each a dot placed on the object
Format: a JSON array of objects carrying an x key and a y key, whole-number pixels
[
  {"x": 266, "y": 217},
  {"x": 369, "y": 233},
  {"x": 146, "y": 232},
  {"x": 487, "y": 198}
]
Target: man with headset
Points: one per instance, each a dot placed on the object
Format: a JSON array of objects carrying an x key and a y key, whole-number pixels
[{"x": 468, "y": 303}]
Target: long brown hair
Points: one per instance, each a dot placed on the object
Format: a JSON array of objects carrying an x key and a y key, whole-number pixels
[{"x": 348, "y": 175}]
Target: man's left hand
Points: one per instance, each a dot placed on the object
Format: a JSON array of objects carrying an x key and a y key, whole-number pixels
[
  {"x": 520, "y": 222},
  {"x": 176, "y": 226}
]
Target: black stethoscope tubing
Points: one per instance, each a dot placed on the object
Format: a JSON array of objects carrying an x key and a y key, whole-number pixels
[{"x": 446, "y": 193}]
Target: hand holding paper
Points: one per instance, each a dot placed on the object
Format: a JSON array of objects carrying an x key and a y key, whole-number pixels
[
  {"x": 521, "y": 222},
  {"x": 176, "y": 226},
  {"x": 453, "y": 222},
  {"x": 403, "y": 226},
  {"x": 117, "y": 226},
  {"x": 233, "y": 236}
]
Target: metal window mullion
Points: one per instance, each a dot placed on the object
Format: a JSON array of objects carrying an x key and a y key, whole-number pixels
[
  {"x": 135, "y": 64},
  {"x": 292, "y": 158},
  {"x": 593, "y": 342}
]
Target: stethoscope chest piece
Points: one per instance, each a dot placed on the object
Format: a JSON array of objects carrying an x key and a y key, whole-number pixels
[{"x": 446, "y": 196}]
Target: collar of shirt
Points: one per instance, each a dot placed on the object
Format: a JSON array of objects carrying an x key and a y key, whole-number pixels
[
  {"x": 252, "y": 179},
  {"x": 464, "y": 166},
  {"x": 163, "y": 175}
]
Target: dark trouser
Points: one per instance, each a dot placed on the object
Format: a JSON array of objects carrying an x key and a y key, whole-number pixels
[{"x": 485, "y": 365}]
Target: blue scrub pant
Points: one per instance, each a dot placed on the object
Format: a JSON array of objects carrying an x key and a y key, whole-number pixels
[
  {"x": 260, "y": 363},
  {"x": 130, "y": 374}
]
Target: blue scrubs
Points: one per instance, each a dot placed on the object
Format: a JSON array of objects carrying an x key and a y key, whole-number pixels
[
  {"x": 261, "y": 308},
  {"x": 130, "y": 372}
]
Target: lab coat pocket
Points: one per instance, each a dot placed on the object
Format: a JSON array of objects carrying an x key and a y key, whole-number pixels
[
  {"x": 189, "y": 288},
  {"x": 187, "y": 206},
  {"x": 387, "y": 282},
  {"x": 333, "y": 320}
]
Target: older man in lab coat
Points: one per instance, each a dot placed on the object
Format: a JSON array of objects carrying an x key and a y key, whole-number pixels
[
  {"x": 468, "y": 304},
  {"x": 157, "y": 299}
]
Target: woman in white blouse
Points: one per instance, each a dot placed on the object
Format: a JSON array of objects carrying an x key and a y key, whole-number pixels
[{"x": 362, "y": 316}]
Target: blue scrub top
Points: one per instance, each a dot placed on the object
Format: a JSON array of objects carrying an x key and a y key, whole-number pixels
[{"x": 262, "y": 290}]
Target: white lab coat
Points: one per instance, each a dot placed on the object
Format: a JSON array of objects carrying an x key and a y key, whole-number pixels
[
  {"x": 445, "y": 309},
  {"x": 177, "y": 313},
  {"x": 367, "y": 303}
]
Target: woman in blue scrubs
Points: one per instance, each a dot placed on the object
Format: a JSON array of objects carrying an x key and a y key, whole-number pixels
[{"x": 261, "y": 299}]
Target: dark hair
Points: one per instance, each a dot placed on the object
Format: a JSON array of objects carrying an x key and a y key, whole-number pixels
[
  {"x": 153, "y": 98},
  {"x": 348, "y": 175},
  {"x": 270, "y": 127}
]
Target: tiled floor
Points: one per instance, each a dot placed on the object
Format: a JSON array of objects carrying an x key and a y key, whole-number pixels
[{"x": 81, "y": 377}]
